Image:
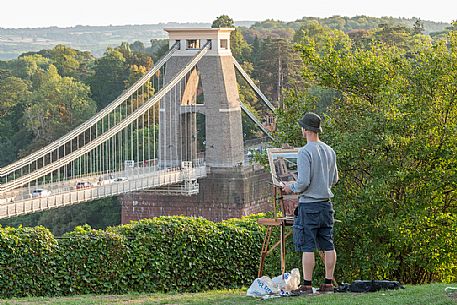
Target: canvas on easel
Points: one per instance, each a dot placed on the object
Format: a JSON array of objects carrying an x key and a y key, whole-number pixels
[
  {"x": 283, "y": 164},
  {"x": 283, "y": 167}
]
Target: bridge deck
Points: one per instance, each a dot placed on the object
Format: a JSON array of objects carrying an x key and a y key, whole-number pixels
[{"x": 68, "y": 196}]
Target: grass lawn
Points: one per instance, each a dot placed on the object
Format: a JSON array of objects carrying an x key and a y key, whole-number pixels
[{"x": 421, "y": 295}]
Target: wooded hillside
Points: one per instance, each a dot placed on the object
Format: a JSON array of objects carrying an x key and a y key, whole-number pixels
[{"x": 96, "y": 39}]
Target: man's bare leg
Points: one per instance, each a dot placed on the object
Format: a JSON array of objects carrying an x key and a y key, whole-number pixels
[
  {"x": 308, "y": 265},
  {"x": 330, "y": 262}
]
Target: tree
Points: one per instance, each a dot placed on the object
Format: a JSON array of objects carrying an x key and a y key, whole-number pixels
[
  {"x": 394, "y": 35},
  {"x": 223, "y": 21},
  {"x": 118, "y": 69},
  {"x": 4, "y": 73},
  {"x": 241, "y": 50},
  {"x": 249, "y": 98},
  {"x": 14, "y": 93},
  {"x": 393, "y": 128},
  {"x": 69, "y": 62},
  {"x": 278, "y": 65},
  {"x": 137, "y": 46},
  {"x": 30, "y": 67},
  {"x": 418, "y": 27},
  {"x": 453, "y": 26},
  {"x": 57, "y": 106},
  {"x": 64, "y": 59},
  {"x": 108, "y": 80},
  {"x": 158, "y": 48}
]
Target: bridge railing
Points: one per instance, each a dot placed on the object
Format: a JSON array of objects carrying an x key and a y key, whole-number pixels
[{"x": 138, "y": 181}]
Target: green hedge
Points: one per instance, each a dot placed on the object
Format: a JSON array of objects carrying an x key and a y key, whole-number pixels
[
  {"x": 188, "y": 255},
  {"x": 27, "y": 262},
  {"x": 93, "y": 261},
  {"x": 159, "y": 254}
]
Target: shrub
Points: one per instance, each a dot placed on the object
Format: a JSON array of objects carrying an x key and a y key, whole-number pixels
[
  {"x": 27, "y": 262},
  {"x": 93, "y": 261},
  {"x": 191, "y": 254},
  {"x": 194, "y": 254}
]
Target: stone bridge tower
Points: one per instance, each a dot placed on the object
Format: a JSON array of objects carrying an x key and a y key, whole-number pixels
[{"x": 214, "y": 81}]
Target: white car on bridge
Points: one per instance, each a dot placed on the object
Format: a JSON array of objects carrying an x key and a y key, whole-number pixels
[
  {"x": 40, "y": 193},
  {"x": 84, "y": 185}
]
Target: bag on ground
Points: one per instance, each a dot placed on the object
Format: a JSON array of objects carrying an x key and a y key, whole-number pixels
[
  {"x": 290, "y": 281},
  {"x": 262, "y": 286},
  {"x": 267, "y": 286},
  {"x": 369, "y": 286}
]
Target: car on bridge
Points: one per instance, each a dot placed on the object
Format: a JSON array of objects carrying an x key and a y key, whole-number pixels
[
  {"x": 40, "y": 193},
  {"x": 120, "y": 179},
  {"x": 106, "y": 179},
  {"x": 83, "y": 185}
]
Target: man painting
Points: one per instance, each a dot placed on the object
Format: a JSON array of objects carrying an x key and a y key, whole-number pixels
[{"x": 313, "y": 224}]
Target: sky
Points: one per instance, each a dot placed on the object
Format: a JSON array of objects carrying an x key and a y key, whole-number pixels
[{"x": 67, "y": 13}]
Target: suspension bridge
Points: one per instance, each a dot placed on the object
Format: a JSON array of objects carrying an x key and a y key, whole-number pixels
[{"x": 170, "y": 128}]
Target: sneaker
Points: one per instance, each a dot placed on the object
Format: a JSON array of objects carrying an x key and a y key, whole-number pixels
[
  {"x": 302, "y": 290},
  {"x": 326, "y": 288}
]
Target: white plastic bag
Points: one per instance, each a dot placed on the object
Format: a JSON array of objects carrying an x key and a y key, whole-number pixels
[
  {"x": 278, "y": 285},
  {"x": 290, "y": 281},
  {"x": 293, "y": 281},
  {"x": 262, "y": 286}
]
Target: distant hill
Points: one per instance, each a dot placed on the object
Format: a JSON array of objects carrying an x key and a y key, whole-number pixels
[{"x": 96, "y": 39}]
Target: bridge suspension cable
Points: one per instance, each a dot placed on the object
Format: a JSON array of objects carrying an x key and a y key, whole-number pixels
[
  {"x": 253, "y": 85},
  {"x": 90, "y": 122},
  {"x": 260, "y": 94},
  {"x": 255, "y": 120}
]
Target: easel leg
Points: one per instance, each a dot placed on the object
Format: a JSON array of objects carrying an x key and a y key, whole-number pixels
[
  {"x": 264, "y": 251},
  {"x": 283, "y": 251}
]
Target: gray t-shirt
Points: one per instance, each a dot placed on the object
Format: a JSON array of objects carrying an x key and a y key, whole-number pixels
[{"x": 317, "y": 172}]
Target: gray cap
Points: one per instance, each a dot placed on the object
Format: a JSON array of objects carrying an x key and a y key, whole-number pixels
[{"x": 311, "y": 121}]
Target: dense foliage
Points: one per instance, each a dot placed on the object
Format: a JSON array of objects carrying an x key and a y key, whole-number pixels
[
  {"x": 155, "y": 255},
  {"x": 348, "y": 24},
  {"x": 160, "y": 254},
  {"x": 27, "y": 262},
  {"x": 393, "y": 125}
]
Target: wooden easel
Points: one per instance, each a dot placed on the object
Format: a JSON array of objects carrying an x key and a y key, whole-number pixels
[
  {"x": 285, "y": 219},
  {"x": 286, "y": 205}
]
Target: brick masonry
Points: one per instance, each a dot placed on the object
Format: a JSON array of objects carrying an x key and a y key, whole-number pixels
[
  {"x": 224, "y": 193},
  {"x": 224, "y": 132}
]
